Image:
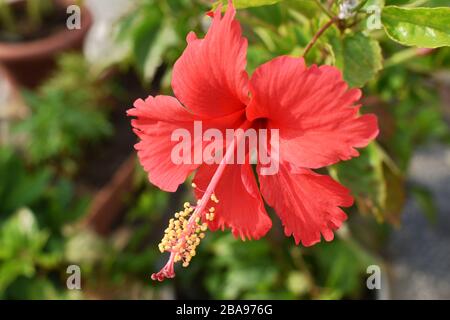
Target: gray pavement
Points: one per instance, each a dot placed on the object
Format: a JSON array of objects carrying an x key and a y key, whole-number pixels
[{"x": 418, "y": 254}]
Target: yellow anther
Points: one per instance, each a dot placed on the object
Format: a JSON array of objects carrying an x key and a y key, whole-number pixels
[
  {"x": 185, "y": 232},
  {"x": 214, "y": 198},
  {"x": 193, "y": 185}
]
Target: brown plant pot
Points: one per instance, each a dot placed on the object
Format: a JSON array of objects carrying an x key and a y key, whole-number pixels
[
  {"x": 29, "y": 63},
  {"x": 108, "y": 204}
]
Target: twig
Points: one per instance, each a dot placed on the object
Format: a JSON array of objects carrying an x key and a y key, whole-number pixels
[{"x": 318, "y": 34}]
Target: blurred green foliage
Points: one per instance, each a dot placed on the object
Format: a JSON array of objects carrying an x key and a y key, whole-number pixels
[
  {"x": 401, "y": 85},
  {"x": 31, "y": 256},
  {"x": 67, "y": 112}
]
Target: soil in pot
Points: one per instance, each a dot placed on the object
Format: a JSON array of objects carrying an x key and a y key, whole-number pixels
[
  {"x": 29, "y": 53},
  {"x": 25, "y": 30}
]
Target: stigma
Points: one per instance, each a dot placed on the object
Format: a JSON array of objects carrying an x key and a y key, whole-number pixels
[{"x": 183, "y": 235}]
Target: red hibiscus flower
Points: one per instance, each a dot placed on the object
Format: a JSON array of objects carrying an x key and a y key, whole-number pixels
[{"x": 318, "y": 122}]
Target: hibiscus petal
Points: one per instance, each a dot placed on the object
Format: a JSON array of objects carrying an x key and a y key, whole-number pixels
[
  {"x": 210, "y": 78},
  {"x": 156, "y": 119},
  {"x": 306, "y": 202},
  {"x": 240, "y": 204},
  {"x": 313, "y": 109}
]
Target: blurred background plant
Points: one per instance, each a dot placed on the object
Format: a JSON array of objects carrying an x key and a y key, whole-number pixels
[
  {"x": 67, "y": 113},
  {"x": 25, "y": 20},
  {"x": 66, "y": 161}
]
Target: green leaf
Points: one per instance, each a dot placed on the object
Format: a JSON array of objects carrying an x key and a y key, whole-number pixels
[
  {"x": 18, "y": 187},
  {"x": 364, "y": 176},
  {"x": 358, "y": 56},
  {"x": 308, "y": 9},
  {"x": 424, "y": 198},
  {"x": 242, "y": 4},
  {"x": 298, "y": 283},
  {"x": 420, "y": 27},
  {"x": 342, "y": 264},
  {"x": 20, "y": 236},
  {"x": 165, "y": 38},
  {"x": 395, "y": 196},
  {"x": 144, "y": 35},
  {"x": 369, "y": 3}
]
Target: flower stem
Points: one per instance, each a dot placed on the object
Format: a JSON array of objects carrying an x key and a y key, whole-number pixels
[{"x": 318, "y": 34}]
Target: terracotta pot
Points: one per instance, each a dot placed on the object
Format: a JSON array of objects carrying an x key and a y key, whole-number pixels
[
  {"x": 108, "y": 203},
  {"x": 31, "y": 62}
]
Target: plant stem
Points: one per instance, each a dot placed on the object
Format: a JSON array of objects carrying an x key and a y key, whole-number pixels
[{"x": 318, "y": 34}]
